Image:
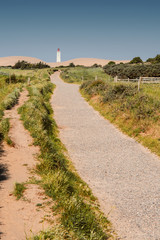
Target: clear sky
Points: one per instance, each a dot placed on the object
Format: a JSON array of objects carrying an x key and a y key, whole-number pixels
[{"x": 107, "y": 29}]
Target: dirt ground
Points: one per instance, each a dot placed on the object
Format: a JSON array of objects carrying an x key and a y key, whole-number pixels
[{"x": 21, "y": 218}]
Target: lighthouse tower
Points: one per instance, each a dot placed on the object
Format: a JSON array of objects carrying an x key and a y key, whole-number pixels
[{"x": 58, "y": 55}]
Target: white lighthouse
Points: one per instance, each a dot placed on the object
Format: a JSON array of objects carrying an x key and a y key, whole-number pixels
[{"x": 58, "y": 55}]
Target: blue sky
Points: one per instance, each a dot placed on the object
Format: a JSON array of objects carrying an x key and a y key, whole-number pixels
[{"x": 108, "y": 29}]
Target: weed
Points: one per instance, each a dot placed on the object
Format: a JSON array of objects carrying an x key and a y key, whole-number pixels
[{"x": 19, "y": 189}]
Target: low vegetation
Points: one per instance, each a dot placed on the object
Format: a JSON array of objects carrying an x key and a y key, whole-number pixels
[
  {"x": 135, "y": 69},
  {"x": 25, "y": 65},
  {"x": 154, "y": 60},
  {"x": 77, "y": 208},
  {"x": 136, "y": 113},
  {"x": 81, "y": 74},
  {"x": 19, "y": 189},
  {"x": 11, "y": 99},
  {"x": 136, "y": 60},
  {"x": 9, "y": 94}
]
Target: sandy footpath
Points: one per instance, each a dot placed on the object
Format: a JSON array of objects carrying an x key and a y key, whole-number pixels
[
  {"x": 21, "y": 218},
  {"x": 124, "y": 175}
]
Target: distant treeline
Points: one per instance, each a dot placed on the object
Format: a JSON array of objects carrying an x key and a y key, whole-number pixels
[
  {"x": 25, "y": 65},
  {"x": 135, "y": 69}
]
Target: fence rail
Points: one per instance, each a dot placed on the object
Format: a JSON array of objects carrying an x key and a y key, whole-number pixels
[
  {"x": 4, "y": 74},
  {"x": 148, "y": 80}
]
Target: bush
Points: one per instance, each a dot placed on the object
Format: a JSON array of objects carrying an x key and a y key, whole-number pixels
[
  {"x": 119, "y": 91},
  {"x": 71, "y": 65},
  {"x": 136, "y": 60},
  {"x": 25, "y": 65},
  {"x": 96, "y": 65},
  {"x": 111, "y": 63},
  {"x": 14, "y": 79},
  {"x": 132, "y": 71}
]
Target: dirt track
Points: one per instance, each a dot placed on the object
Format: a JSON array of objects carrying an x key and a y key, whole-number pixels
[
  {"x": 122, "y": 174},
  {"x": 21, "y": 218}
]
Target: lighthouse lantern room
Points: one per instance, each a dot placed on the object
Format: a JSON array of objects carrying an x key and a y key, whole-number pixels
[{"x": 58, "y": 55}]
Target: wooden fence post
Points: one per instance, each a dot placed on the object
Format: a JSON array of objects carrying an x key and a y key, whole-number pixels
[
  {"x": 28, "y": 80},
  {"x": 96, "y": 78},
  {"x": 116, "y": 79},
  {"x": 10, "y": 78},
  {"x": 139, "y": 82}
]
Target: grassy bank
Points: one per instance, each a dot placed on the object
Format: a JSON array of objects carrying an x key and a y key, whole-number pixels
[
  {"x": 77, "y": 209},
  {"x": 136, "y": 113}
]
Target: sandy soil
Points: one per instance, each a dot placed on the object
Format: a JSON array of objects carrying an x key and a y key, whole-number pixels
[
  {"x": 20, "y": 218},
  {"x": 6, "y": 61}
]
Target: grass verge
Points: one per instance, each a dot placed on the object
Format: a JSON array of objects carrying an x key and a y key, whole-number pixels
[
  {"x": 8, "y": 100},
  {"x": 80, "y": 217},
  {"x": 135, "y": 113}
]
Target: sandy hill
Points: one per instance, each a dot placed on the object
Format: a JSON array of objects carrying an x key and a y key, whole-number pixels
[
  {"x": 7, "y": 61},
  {"x": 86, "y": 62}
]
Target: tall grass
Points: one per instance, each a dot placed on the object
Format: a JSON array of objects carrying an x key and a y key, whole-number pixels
[
  {"x": 9, "y": 94},
  {"x": 74, "y": 202}
]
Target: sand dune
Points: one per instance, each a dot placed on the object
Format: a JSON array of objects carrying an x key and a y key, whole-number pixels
[
  {"x": 7, "y": 61},
  {"x": 86, "y": 62}
]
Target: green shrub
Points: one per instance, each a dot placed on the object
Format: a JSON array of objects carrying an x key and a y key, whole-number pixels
[
  {"x": 133, "y": 71},
  {"x": 111, "y": 63},
  {"x": 136, "y": 60}
]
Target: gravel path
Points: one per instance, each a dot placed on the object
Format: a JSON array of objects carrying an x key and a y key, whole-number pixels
[{"x": 124, "y": 175}]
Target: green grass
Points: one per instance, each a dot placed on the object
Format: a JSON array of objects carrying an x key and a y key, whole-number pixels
[
  {"x": 4, "y": 130},
  {"x": 77, "y": 208},
  {"x": 56, "y": 233},
  {"x": 19, "y": 189},
  {"x": 9, "y": 94},
  {"x": 82, "y": 74}
]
